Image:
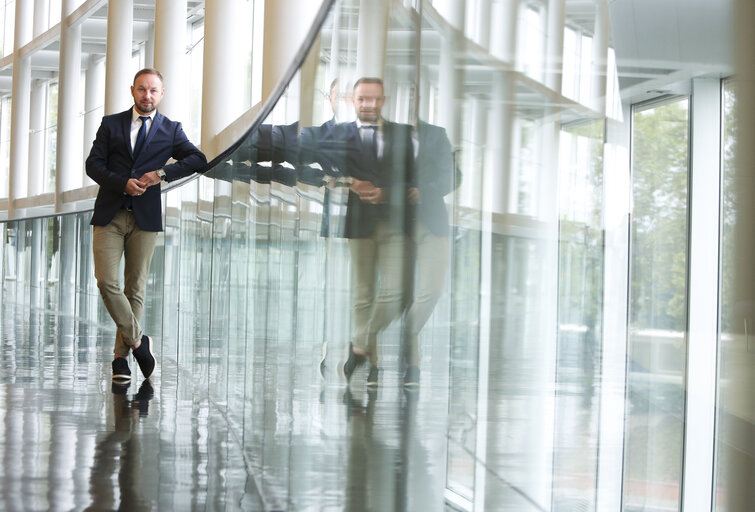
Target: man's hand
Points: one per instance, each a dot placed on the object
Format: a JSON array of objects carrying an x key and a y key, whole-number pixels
[
  {"x": 366, "y": 191},
  {"x": 413, "y": 195},
  {"x": 134, "y": 187},
  {"x": 149, "y": 178}
]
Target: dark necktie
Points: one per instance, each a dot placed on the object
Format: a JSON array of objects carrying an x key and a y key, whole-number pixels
[
  {"x": 368, "y": 139},
  {"x": 127, "y": 201},
  {"x": 140, "y": 136}
]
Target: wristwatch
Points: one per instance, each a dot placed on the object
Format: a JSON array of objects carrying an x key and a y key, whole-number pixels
[{"x": 161, "y": 174}]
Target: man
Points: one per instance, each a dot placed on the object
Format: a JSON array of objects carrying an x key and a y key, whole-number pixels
[
  {"x": 436, "y": 175},
  {"x": 128, "y": 160},
  {"x": 376, "y": 157}
]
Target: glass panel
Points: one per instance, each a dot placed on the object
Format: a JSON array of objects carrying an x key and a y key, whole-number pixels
[
  {"x": 51, "y": 131},
  {"x": 5, "y": 118},
  {"x": 580, "y": 317},
  {"x": 731, "y": 427},
  {"x": 658, "y": 306}
]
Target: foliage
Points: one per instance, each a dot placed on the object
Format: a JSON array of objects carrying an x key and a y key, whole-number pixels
[{"x": 659, "y": 218}]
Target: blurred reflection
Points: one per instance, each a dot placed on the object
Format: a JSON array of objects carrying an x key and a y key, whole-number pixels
[
  {"x": 373, "y": 157},
  {"x": 388, "y": 466},
  {"x": 385, "y": 184},
  {"x": 118, "y": 453},
  {"x": 436, "y": 175},
  {"x": 376, "y": 161}
]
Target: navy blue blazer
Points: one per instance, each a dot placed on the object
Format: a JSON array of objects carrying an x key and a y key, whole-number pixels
[
  {"x": 436, "y": 176},
  {"x": 111, "y": 162},
  {"x": 338, "y": 149}
]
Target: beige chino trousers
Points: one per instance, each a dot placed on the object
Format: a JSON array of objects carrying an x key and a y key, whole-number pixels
[
  {"x": 378, "y": 273},
  {"x": 123, "y": 238}
]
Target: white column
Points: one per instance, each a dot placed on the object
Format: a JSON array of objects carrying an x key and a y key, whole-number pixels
[
  {"x": 170, "y": 55},
  {"x": 287, "y": 22},
  {"x": 551, "y": 129},
  {"x": 41, "y": 16},
  {"x": 500, "y": 179},
  {"x": 93, "y": 104},
  {"x": 20, "y": 92},
  {"x": 554, "y": 45},
  {"x": 371, "y": 38},
  {"x": 600, "y": 56},
  {"x": 505, "y": 18},
  {"x": 149, "y": 45},
  {"x": 482, "y": 23},
  {"x": 119, "y": 74},
  {"x": 69, "y": 173},
  {"x": 449, "y": 78},
  {"x": 222, "y": 76},
  {"x": 37, "y": 137},
  {"x": 703, "y": 293}
]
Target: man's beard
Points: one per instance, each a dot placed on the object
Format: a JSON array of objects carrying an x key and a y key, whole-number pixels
[
  {"x": 146, "y": 109},
  {"x": 371, "y": 117}
]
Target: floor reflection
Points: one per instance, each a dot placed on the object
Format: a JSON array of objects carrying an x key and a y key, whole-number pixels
[{"x": 71, "y": 440}]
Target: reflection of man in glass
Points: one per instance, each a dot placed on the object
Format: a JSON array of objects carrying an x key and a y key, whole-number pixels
[
  {"x": 377, "y": 156},
  {"x": 435, "y": 176}
]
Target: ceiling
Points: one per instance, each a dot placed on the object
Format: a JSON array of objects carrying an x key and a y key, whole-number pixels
[
  {"x": 660, "y": 42},
  {"x": 657, "y": 42}
]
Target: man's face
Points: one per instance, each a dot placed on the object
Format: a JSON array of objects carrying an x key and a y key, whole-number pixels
[
  {"x": 368, "y": 101},
  {"x": 147, "y": 92}
]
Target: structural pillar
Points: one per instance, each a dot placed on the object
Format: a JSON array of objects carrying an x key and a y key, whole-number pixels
[
  {"x": 37, "y": 136},
  {"x": 21, "y": 94},
  {"x": 284, "y": 35},
  {"x": 222, "y": 76},
  {"x": 119, "y": 75},
  {"x": 500, "y": 179},
  {"x": 41, "y": 15},
  {"x": 93, "y": 104},
  {"x": 600, "y": 57},
  {"x": 69, "y": 169},
  {"x": 554, "y": 45},
  {"x": 170, "y": 55},
  {"x": 482, "y": 20},
  {"x": 449, "y": 78},
  {"x": 371, "y": 38}
]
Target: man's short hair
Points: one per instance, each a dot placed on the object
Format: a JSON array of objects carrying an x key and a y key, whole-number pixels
[
  {"x": 148, "y": 71},
  {"x": 369, "y": 80}
]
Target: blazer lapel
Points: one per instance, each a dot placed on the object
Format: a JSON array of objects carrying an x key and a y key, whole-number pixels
[
  {"x": 156, "y": 122},
  {"x": 126, "y": 126}
]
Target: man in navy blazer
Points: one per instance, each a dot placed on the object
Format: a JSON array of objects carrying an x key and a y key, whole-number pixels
[
  {"x": 374, "y": 158},
  {"x": 128, "y": 162}
]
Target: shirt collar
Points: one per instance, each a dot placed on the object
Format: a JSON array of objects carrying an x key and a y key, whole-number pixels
[
  {"x": 378, "y": 125},
  {"x": 135, "y": 115}
]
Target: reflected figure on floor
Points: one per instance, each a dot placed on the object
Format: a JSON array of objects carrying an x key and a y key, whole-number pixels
[
  {"x": 365, "y": 475},
  {"x": 118, "y": 454},
  {"x": 388, "y": 466},
  {"x": 436, "y": 175},
  {"x": 373, "y": 157},
  {"x": 128, "y": 161}
]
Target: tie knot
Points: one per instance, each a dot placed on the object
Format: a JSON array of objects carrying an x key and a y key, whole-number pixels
[{"x": 144, "y": 119}]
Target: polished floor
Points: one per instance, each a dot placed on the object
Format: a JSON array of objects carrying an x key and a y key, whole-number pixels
[{"x": 72, "y": 441}]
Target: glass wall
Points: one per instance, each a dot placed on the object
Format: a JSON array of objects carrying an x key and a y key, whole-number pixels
[
  {"x": 493, "y": 234},
  {"x": 658, "y": 305},
  {"x": 734, "y": 349}
]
